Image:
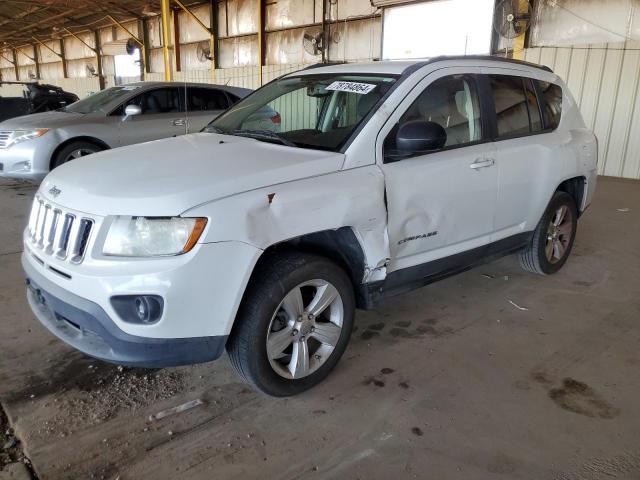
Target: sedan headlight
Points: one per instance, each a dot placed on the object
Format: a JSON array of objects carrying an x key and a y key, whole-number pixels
[
  {"x": 152, "y": 236},
  {"x": 19, "y": 136}
]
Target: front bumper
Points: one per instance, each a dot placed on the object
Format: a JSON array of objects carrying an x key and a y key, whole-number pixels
[
  {"x": 28, "y": 160},
  {"x": 86, "y": 326}
]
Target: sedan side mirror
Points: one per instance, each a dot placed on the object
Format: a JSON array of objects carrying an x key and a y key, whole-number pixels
[
  {"x": 419, "y": 136},
  {"x": 131, "y": 111}
]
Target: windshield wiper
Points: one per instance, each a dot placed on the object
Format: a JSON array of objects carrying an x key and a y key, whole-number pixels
[
  {"x": 264, "y": 135},
  {"x": 212, "y": 129}
]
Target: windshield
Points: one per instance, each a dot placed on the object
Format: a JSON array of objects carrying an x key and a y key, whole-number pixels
[
  {"x": 310, "y": 111},
  {"x": 101, "y": 101}
]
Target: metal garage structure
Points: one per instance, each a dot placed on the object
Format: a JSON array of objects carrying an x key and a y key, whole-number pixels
[
  {"x": 249, "y": 42},
  {"x": 247, "y": 33}
]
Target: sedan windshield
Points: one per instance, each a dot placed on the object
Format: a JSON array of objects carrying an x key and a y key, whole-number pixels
[
  {"x": 101, "y": 101},
  {"x": 310, "y": 111}
]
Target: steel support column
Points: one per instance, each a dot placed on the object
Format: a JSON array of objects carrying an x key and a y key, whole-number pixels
[
  {"x": 63, "y": 59},
  {"x": 36, "y": 60},
  {"x": 166, "y": 38},
  {"x": 98, "y": 42},
  {"x": 146, "y": 54},
  {"x": 261, "y": 37},
  {"x": 213, "y": 8},
  {"x": 176, "y": 41},
  {"x": 15, "y": 63}
]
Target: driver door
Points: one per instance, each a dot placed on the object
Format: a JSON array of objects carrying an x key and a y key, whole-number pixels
[
  {"x": 162, "y": 116},
  {"x": 441, "y": 202}
]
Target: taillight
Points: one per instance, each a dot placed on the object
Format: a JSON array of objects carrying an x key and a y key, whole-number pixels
[{"x": 276, "y": 119}]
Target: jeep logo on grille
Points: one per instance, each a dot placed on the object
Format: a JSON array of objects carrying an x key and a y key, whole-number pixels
[{"x": 54, "y": 191}]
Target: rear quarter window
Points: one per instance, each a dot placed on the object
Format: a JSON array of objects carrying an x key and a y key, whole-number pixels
[{"x": 551, "y": 103}]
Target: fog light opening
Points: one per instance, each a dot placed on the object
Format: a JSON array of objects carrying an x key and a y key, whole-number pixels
[{"x": 140, "y": 309}]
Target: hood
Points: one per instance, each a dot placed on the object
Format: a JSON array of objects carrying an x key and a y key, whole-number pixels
[
  {"x": 51, "y": 120},
  {"x": 167, "y": 177}
]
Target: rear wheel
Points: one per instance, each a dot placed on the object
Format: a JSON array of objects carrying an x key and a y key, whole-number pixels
[
  {"x": 294, "y": 324},
  {"x": 553, "y": 238},
  {"x": 73, "y": 151}
]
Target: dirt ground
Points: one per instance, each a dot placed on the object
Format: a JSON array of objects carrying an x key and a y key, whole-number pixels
[{"x": 495, "y": 373}]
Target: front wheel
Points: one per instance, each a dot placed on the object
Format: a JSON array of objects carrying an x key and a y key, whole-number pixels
[
  {"x": 553, "y": 238},
  {"x": 293, "y": 325},
  {"x": 73, "y": 151}
]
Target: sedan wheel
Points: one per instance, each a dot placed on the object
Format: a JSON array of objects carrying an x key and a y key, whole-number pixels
[{"x": 80, "y": 152}]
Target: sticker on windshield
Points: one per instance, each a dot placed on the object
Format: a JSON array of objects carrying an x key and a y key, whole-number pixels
[{"x": 353, "y": 87}]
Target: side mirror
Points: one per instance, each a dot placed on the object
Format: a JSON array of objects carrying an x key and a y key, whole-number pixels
[
  {"x": 131, "y": 111},
  {"x": 418, "y": 136}
]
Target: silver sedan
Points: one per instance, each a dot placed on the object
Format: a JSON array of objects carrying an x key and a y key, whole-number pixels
[{"x": 32, "y": 145}]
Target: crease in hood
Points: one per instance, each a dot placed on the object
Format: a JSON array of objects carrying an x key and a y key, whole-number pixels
[{"x": 167, "y": 177}]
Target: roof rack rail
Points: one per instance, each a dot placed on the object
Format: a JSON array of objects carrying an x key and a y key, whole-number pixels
[
  {"x": 491, "y": 58},
  {"x": 452, "y": 57},
  {"x": 328, "y": 64}
]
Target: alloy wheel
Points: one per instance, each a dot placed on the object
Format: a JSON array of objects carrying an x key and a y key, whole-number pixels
[
  {"x": 305, "y": 329},
  {"x": 80, "y": 152},
  {"x": 559, "y": 234}
]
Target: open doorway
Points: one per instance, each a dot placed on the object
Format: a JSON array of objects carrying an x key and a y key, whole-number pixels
[
  {"x": 440, "y": 27},
  {"x": 127, "y": 67}
]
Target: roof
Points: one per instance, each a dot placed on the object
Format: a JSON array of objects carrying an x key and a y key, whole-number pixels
[
  {"x": 397, "y": 67},
  {"x": 239, "y": 91},
  {"x": 180, "y": 84}
]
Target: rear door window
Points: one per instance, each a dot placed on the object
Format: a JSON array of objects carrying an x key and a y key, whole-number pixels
[
  {"x": 551, "y": 102},
  {"x": 205, "y": 99},
  {"x": 512, "y": 111},
  {"x": 161, "y": 100}
]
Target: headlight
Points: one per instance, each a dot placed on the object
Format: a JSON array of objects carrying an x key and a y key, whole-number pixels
[
  {"x": 18, "y": 136},
  {"x": 150, "y": 237}
]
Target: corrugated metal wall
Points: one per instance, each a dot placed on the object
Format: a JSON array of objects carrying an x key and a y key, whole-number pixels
[{"x": 604, "y": 80}]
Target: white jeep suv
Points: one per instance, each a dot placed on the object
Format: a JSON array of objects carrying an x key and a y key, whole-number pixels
[{"x": 380, "y": 178}]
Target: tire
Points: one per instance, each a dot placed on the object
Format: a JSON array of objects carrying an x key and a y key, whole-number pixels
[
  {"x": 269, "y": 315},
  {"x": 553, "y": 238},
  {"x": 74, "y": 150}
]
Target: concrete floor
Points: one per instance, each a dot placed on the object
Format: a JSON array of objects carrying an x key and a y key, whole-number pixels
[{"x": 448, "y": 382}]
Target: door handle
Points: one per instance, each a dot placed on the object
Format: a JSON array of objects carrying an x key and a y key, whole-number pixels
[
  {"x": 482, "y": 163},
  {"x": 178, "y": 122}
]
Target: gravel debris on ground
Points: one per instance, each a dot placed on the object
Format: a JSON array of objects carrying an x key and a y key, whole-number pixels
[
  {"x": 13, "y": 463},
  {"x": 112, "y": 390}
]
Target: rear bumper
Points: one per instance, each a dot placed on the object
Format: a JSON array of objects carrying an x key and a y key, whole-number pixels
[{"x": 86, "y": 326}]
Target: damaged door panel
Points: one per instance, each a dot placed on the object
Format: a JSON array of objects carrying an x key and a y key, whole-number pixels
[{"x": 440, "y": 199}]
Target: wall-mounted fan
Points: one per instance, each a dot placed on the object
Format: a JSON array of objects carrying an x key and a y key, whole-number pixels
[
  {"x": 203, "y": 51},
  {"x": 512, "y": 18},
  {"x": 313, "y": 43},
  {"x": 132, "y": 46},
  {"x": 91, "y": 70}
]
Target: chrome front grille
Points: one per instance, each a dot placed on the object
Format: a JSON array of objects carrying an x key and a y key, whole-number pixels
[
  {"x": 58, "y": 233},
  {"x": 4, "y": 138}
]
